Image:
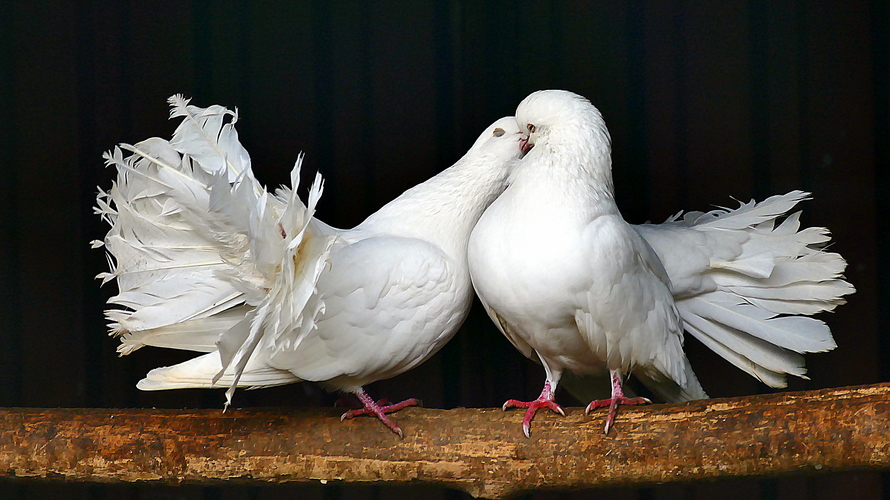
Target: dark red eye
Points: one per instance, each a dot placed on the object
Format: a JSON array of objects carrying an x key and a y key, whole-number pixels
[{"x": 531, "y": 128}]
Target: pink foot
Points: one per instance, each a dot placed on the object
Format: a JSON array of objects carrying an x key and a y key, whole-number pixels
[
  {"x": 545, "y": 400},
  {"x": 618, "y": 398},
  {"x": 379, "y": 409}
]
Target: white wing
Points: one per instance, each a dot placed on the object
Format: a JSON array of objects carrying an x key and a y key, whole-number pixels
[
  {"x": 509, "y": 331},
  {"x": 628, "y": 313},
  {"x": 390, "y": 303}
]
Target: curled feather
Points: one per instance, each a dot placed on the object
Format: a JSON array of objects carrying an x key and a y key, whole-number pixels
[
  {"x": 746, "y": 279},
  {"x": 204, "y": 257}
]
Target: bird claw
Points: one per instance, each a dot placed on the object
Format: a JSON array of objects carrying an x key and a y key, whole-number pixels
[
  {"x": 613, "y": 404},
  {"x": 379, "y": 409},
  {"x": 602, "y": 403},
  {"x": 533, "y": 407},
  {"x": 513, "y": 403}
]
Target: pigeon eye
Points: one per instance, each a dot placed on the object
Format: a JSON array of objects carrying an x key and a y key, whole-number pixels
[
  {"x": 499, "y": 132},
  {"x": 531, "y": 128}
]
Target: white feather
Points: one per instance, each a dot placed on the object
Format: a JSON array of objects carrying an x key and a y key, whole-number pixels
[
  {"x": 208, "y": 136},
  {"x": 746, "y": 300},
  {"x": 202, "y": 372},
  {"x": 194, "y": 235}
]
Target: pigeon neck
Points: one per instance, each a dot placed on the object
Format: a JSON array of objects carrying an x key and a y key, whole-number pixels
[{"x": 444, "y": 209}]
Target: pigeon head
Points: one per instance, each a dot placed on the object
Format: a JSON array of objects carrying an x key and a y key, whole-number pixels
[
  {"x": 503, "y": 131},
  {"x": 548, "y": 113}
]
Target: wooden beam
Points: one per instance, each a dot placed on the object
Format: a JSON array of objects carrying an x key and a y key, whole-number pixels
[{"x": 481, "y": 451}]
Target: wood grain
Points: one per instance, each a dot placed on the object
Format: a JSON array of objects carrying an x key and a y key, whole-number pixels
[{"x": 481, "y": 451}]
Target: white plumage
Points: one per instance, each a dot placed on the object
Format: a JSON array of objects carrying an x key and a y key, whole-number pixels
[
  {"x": 207, "y": 260},
  {"x": 571, "y": 284}
]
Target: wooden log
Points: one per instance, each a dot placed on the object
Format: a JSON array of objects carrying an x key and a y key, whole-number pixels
[{"x": 481, "y": 451}]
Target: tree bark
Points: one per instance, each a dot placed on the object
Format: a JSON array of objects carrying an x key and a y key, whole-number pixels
[{"x": 481, "y": 451}]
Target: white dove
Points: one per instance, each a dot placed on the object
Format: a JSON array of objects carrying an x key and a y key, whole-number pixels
[
  {"x": 570, "y": 283},
  {"x": 207, "y": 260}
]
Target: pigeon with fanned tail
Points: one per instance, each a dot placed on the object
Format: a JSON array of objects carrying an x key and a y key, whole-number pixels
[
  {"x": 207, "y": 260},
  {"x": 574, "y": 286}
]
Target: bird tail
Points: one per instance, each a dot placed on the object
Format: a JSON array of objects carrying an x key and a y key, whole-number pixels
[
  {"x": 202, "y": 372},
  {"x": 746, "y": 282},
  {"x": 205, "y": 258},
  {"x": 164, "y": 252}
]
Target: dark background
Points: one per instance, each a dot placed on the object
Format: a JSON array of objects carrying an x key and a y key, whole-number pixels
[{"x": 704, "y": 101}]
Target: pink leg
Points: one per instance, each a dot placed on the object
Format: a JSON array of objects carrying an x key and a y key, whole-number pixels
[
  {"x": 545, "y": 400},
  {"x": 346, "y": 402},
  {"x": 379, "y": 410},
  {"x": 618, "y": 398}
]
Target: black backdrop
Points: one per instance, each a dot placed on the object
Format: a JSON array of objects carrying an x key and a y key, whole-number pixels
[{"x": 704, "y": 102}]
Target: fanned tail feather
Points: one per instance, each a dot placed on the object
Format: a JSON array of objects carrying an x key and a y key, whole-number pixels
[
  {"x": 200, "y": 335},
  {"x": 201, "y": 373},
  {"x": 164, "y": 266},
  {"x": 287, "y": 260},
  {"x": 744, "y": 283},
  {"x": 205, "y": 258},
  {"x": 208, "y": 136}
]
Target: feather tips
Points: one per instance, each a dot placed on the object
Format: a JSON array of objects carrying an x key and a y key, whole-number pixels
[
  {"x": 762, "y": 275},
  {"x": 194, "y": 235},
  {"x": 208, "y": 135}
]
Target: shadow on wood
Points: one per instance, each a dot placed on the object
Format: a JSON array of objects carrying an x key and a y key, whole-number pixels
[{"x": 481, "y": 451}]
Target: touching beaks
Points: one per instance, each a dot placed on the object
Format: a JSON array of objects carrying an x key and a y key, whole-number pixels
[{"x": 524, "y": 145}]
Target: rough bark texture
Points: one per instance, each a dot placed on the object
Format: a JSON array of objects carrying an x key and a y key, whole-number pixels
[{"x": 481, "y": 451}]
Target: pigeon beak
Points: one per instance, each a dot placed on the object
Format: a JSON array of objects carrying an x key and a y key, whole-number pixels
[{"x": 524, "y": 145}]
